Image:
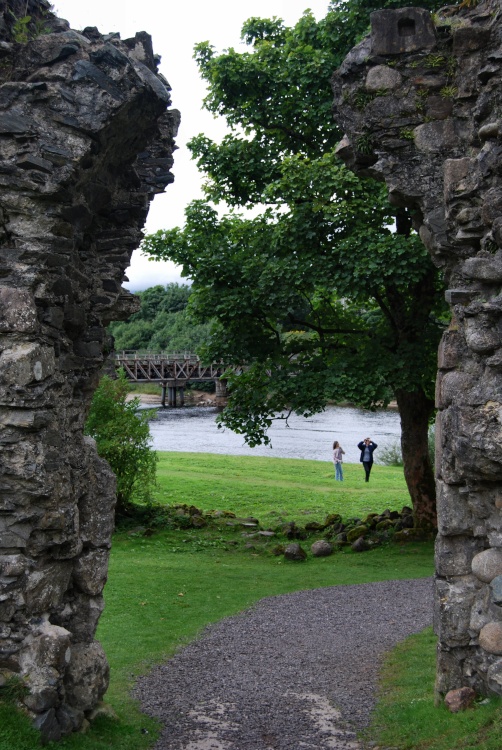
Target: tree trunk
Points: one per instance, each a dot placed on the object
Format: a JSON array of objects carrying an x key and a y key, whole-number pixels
[{"x": 415, "y": 410}]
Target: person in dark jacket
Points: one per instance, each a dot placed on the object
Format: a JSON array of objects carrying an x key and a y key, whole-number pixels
[{"x": 367, "y": 446}]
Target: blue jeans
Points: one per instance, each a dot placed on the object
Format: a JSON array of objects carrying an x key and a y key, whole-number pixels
[{"x": 339, "y": 472}]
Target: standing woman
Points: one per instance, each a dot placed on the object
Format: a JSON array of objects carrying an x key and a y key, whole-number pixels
[
  {"x": 367, "y": 446},
  {"x": 338, "y": 452}
]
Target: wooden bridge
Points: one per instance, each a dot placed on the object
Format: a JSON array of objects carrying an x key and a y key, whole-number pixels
[{"x": 172, "y": 371}]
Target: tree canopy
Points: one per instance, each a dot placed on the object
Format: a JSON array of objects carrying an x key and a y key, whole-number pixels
[{"x": 327, "y": 293}]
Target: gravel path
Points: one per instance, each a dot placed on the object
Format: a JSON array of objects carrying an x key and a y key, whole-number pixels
[{"x": 294, "y": 672}]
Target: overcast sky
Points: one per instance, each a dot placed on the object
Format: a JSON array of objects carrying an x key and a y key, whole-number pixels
[{"x": 176, "y": 27}]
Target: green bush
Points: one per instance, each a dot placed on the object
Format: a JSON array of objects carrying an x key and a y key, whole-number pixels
[
  {"x": 123, "y": 439},
  {"x": 391, "y": 455}
]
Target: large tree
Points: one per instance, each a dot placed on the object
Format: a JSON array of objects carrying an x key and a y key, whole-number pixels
[{"x": 328, "y": 292}]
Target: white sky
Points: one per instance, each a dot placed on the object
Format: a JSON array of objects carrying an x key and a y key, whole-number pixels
[{"x": 176, "y": 27}]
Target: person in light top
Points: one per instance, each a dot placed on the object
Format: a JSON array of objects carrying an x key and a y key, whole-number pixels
[{"x": 338, "y": 452}]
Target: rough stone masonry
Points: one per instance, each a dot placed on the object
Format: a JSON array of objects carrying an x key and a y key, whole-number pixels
[
  {"x": 421, "y": 102},
  {"x": 86, "y": 141}
]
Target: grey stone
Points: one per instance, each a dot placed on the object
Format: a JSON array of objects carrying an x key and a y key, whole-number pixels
[
  {"x": 496, "y": 587},
  {"x": 321, "y": 548},
  {"x": 490, "y": 638},
  {"x": 436, "y": 136},
  {"x": 87, "y": 676},
  {"x": 295, "y": 552},
  {"x": 487, "y": 565},
  {"x": 90, "y": 571},
  {"x": 382, "y": 77},
  {"x": 494, "y": 677},
  {"x": 48, "y": 726}
]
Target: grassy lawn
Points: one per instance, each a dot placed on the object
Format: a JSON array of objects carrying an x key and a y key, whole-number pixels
[
  {"x": 163, "y": 589},
  {"x": 269, "y": 488}
]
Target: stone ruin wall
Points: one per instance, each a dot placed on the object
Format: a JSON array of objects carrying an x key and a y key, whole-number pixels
[
  {"x": 86, "y": 141},
  {"x": 420, "y": 100}
]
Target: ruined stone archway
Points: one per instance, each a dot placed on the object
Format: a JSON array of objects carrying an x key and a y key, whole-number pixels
[
  {"x": 86, "y": 141},
  {"x": 431, "y": 128}
]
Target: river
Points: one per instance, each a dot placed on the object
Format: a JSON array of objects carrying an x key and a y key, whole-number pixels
[{"x": 194, "y": 429}]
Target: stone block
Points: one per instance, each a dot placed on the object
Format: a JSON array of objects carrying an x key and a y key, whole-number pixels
[
  {"x": 487, "y": 269},
  {"x": 454, "y": 512},
  {"x": 18, "y": 312},
  {"x": 461, "y": 178},
  {"x": 381, "y": 77},
  {"x": 452, "y": 610},
  {"x": 448, "y": 669},
  {"x": 452, "y": 386},
  {"x": 451, "y": 350},
  {"x": 87, "y": 676},
  {"x": 494, "y": 677},
  {"x": 394, "y": 32},
  {"x": 438, "y": 108},
  {"x": 454, "y": 555},
  {"x": 26, "y": 363},
  {"x": 480, "y": 334},
  {"x": 436, "y": 136},
  {"x": 90, "y": 571},
  {"x": 469, "y": 38},
  {"x": 46, "y": 585}
]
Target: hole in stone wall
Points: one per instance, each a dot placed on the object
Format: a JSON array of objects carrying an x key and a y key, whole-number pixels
[{"x": 406, "y": 27}]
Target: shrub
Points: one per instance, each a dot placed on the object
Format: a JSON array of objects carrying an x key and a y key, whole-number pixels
[
  {"x": 123, "y": 439},
  {"x": 391, "y": 455}
]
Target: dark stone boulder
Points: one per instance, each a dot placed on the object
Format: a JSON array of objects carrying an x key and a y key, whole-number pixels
[{"x": 295, "y": 552}]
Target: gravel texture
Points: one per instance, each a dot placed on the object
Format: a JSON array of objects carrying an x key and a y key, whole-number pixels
[{"x": 294, "y": 672}]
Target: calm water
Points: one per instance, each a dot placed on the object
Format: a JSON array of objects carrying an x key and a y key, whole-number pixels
[{"x": 194, "y": 429}]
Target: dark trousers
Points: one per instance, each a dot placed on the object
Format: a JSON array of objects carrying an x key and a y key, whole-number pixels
[{"x": 367, "y": 468}]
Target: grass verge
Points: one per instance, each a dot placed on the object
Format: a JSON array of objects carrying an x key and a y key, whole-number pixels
[{"x": 406, "y": 717}]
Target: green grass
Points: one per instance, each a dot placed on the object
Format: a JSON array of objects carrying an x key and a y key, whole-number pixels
[
  {"x": 406, "y": 717},
  {"x": 268, "y": 488},
  {"x": 163, "y": 589}
]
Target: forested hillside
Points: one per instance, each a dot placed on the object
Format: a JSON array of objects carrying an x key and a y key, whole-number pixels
[{"x": 162, "y": 324}]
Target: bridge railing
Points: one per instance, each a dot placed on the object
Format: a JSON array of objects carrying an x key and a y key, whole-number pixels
[{"x": 133, "y": 354}]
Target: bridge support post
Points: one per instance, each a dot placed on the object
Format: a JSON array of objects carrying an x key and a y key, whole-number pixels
[
  {"x": 171, "y": 395},
  {"x": 221, "y": 392},
  {"x": 163, "y": 401}
]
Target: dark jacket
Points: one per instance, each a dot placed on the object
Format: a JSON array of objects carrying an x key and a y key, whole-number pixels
[{"x": 372, "y": 446}]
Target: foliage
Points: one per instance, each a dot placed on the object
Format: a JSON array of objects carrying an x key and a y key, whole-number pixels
[
  {"x": 163, "y": 323},
  {"x": 25, "y": 27},
  {"x": 123, "y": 439},
  {"x": 392, "y": 454}
]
